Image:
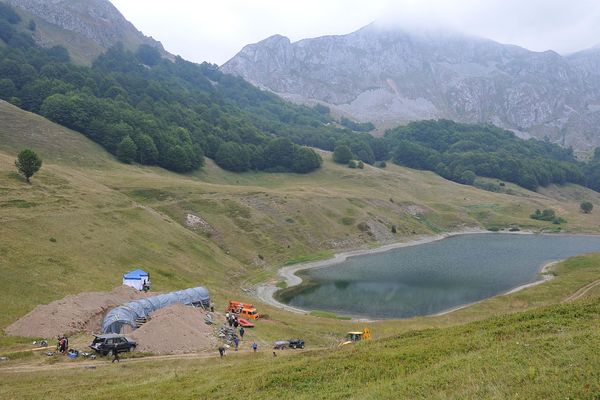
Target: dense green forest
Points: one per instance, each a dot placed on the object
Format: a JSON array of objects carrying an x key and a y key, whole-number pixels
[
  {"x": 149, "y": 110},
  {"x": 146, "y": 109},
  {"x": 460, "y": 152}
]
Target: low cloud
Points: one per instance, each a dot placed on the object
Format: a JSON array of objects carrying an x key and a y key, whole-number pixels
[{"x": 215, "y": 31}]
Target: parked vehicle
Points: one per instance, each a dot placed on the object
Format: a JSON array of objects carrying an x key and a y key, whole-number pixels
[
  {"x": 109, "y": 344},
  {"x": 244, "y": 310},
  {"x": 281, "y": 344},
  {"x": 292, "y": 344}
]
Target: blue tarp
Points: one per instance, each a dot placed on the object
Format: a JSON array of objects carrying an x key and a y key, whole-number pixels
[
  {"x": 136, "y": 274},
  {"x": 129, "y": 312}
]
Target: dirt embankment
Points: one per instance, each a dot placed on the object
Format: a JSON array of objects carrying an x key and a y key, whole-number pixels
[
  {"x": 81, "y": 312},
  {"x": 174, "y": 330}
]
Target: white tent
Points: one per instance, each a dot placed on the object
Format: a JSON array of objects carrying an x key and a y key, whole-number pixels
[{"x": 137, "y": 279}]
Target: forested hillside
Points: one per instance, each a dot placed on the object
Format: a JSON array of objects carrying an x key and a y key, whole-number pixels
[
  {"x": 460, "y": 152},
  {"x": 153, "y": 111}
]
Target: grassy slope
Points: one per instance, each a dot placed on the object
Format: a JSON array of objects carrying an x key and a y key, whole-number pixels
[
  {"x": 539, "y": 354},
  {"x": 105, "y": 217}
]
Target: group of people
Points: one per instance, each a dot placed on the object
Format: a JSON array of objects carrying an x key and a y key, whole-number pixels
[
  {"x": 232, "y": 319},
  {"x": 236, "y": 339},
  {"x": 63, "y": 344}
]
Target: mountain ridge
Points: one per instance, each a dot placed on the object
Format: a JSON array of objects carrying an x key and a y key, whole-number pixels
[
  {"x": 86, "y": 27},
  {"x": 394, "y": 76}
]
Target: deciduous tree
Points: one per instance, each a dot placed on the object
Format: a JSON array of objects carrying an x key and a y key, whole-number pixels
[{"x": 28, "y": 163}]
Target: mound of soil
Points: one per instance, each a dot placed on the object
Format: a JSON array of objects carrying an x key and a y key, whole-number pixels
[
  {"x": 81, "y": 312},
  {"x": 174, "y": 330}
]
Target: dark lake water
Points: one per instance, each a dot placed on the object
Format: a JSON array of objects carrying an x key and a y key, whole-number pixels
[{"x": 434, "y": 277}]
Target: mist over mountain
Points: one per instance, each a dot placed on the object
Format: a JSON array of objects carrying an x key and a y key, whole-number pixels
[{"x": 391, "y": 76}]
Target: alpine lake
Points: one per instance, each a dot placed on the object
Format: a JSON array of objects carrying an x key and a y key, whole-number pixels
[{"x": 431, "y": 278}]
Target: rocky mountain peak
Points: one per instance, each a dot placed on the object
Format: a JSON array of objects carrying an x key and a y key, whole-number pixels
[
  {"x": 98, "y": 21},
  {"x": 390, "y": 76}
]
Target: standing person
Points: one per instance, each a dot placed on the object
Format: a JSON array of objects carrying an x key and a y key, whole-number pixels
[
  {"x": 116, "y": 356},
  {"x": 221, "y": 351},
  {"x": 62, "y": 345},
  {"x": 235, "y": 323},
  {"x": 236, "y": 341},
  {"x": 254, "y": 346},
  {"x": 242, "y": 332}
]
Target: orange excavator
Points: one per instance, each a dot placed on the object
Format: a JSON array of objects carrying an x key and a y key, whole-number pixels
[{"x": 243, "y": 310}]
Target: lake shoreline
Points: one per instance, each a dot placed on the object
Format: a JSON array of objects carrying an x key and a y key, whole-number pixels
[
  {"x": 543, "y": 272},
  {"x": 266, "y": 291}
]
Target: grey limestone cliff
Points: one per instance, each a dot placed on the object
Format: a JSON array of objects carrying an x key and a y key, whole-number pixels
[
  {"x": 391, "y": 76},
  {"x": 86, "y": 27}
]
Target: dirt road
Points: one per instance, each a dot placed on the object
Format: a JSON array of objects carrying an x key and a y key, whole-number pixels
[
  {"x": 582, "y": 291},
  {"x": 105, "y": 363}
]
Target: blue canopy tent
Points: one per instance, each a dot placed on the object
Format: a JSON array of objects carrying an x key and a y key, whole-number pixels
[
  {"x": 142, "y": 308},
  {"x": 137, "y": 279}
]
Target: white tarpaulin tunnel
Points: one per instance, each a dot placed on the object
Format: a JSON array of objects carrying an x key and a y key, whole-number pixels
[{"x": 129, "y": 312}]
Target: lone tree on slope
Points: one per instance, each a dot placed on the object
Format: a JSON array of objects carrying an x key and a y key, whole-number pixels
[
  {"x": 586, "y": 207},
  {"x": 342, "y": 154},
  {"x": 28, "y": 163}
]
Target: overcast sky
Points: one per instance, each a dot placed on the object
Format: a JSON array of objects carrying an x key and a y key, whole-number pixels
[{"x": 215, "y": 30}]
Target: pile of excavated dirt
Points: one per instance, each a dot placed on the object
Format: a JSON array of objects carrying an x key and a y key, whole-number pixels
[
  {"x": 81, "y": 312},
  {"x": 174, "y": 330}
]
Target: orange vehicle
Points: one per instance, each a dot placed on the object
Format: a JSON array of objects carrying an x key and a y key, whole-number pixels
[{"x": 243, "y": 310}]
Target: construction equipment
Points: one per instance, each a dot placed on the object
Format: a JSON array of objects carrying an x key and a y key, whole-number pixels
[
  {"x": 353, "y": 337},
  {"x": 244, "y": 310}
]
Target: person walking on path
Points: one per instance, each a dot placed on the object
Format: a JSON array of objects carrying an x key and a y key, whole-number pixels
[
  {"x": 116, "y": 356},
  {"x": 236, "y": 341},
  {"x": 221, "y": 351},
  {"x": 254, "y": 346},
  {"x": 242, "y": 332}
]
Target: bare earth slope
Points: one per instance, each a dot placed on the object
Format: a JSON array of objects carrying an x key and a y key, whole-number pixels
[
  {"x": 81, "y": 312},
  {"x": 176, "y": 329}
]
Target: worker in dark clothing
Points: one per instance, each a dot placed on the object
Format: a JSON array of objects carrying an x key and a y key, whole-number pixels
[
  {"x": 254, "y": 346},
  {"x": 242, "y": 332},
  {"x": 62, "y": 345},
  {"x": 221, "y": 351},
  {"x": 236, "y": 341},
  {"x": 116, "y": 356}
]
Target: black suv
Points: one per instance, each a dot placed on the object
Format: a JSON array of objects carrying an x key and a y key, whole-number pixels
[
  {"x": 111, "y": 343},
  {"x": 296, "y": 343}
]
